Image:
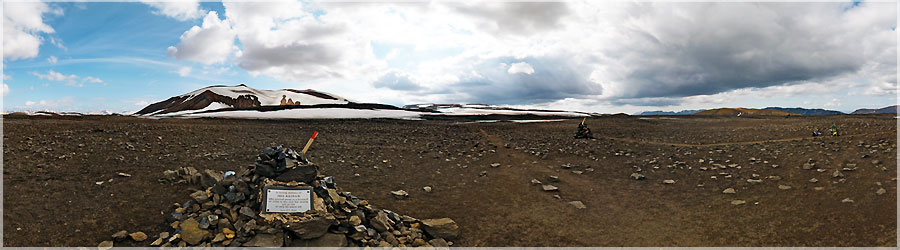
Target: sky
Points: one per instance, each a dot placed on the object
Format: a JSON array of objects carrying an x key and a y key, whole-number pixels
[{"x": 606, "y": 57}]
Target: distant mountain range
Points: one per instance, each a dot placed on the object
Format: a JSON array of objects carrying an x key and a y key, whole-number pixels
[
  {"x": 744, "y": 112},
  {"x": 885, "y": 110},
  {"x": 683, "y": 112},
  {"x": 804, "y": 111}
]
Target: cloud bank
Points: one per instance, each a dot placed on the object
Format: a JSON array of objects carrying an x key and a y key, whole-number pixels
[{"x": 638, "y": 54}]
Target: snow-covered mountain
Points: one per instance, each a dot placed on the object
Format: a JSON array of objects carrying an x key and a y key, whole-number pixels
[
  {"x": 242, "y": 101},
  {"x": 238, "y": 97}
]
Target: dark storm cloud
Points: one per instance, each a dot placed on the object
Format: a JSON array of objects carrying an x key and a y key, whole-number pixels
[
  {"x": 553, "y": 79},
  {"x": 523, "y": 18},
  {"x": 669, "y": 50}
]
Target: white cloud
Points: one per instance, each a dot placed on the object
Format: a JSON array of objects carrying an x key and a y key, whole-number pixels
[
  {"x": 52, "y": 60},
  {"x": 181, "y": 10},
  {"x": 55, "y": 76},
  {"x": 520, "y": 68},
  {"x": 61, "y": 104},
  {"x": 92, "y": 79},
  {"x": 7, "y": 77},
  {"x": 184, "y": 71},
  {"x": 5, "y": 89},
  {"x": 22, "y": 28},
  {"x": 70, "y": 80},
  {"x": 210, "y": 43}
]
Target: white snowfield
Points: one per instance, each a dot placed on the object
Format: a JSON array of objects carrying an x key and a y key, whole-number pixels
[
  {"x": 493, "y": 111},
  {"x": 211, "y": 106},
  {"x": 269, "y": 97},
  {"x": 312, "y": 113}
]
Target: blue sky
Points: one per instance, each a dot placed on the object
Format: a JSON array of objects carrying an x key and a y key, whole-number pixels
[{"x": 616, "y": 57}]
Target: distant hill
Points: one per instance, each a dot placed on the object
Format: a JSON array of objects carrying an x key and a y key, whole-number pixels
[
  {"x": 885, "y": 110},
  {"x": 804, "y": 111},
  {"x": 683, "y": 112},
  {"x": 744, "y": 112}
]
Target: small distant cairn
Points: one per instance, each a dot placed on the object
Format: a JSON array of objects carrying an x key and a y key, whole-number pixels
[
  {"x": 227, "y": 211},
  {"x": 583, "y": 131}
]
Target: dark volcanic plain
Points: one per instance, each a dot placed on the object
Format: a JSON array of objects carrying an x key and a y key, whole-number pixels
[{"x": 51, "y": 166}]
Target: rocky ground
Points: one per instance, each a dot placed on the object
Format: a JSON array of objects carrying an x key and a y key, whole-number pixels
[{"x": 700, "y": 181}]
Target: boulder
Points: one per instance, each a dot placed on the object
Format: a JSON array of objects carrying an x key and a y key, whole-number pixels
[
  {"x": 312, "y": 228},
  {"x": 209, "y": 177},
  {"x": 191, "y": 232},
  {"x": 381, "y": 223},
  {"x": 301, "y": 173},
  {"x": 444, "y": 228},
  {"x": 265, "y": 240}
]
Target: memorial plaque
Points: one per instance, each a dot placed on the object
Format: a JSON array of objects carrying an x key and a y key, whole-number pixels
[{"x": 287, "y": 199}]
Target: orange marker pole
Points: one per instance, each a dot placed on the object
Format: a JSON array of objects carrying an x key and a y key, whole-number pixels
[{"x": 311, "y": 139}]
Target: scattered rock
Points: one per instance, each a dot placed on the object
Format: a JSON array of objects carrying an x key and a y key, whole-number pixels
[
  {"x": 119, "y": 236},
  {"x": 124, "y": 175},
  {"x": 813, "y": 180},
  {"x": 535, "y": 182},
  {"x": 495, "y": 165},
  {"x": 738, "y": 202},
  {"x": 880, "y": 191},
  {"x": 553, "y": 178},
  {"x": 427, "y": 189},
  {"x": 784, "y": 187},
  {"x": 577, "y": 204},
  {"x": 846, "y": 200},
  {"x": 637, "y": 176},
  {"x": 668, "y": 182},
  {"x": 105, "y": 245},
  {"x": 808, "y": 166},
  {"x": 400, "y": 194},
  {"x": 138, "y": 236},
  {"x": 837, "y": 174},
  {"x": 729, "y": 191},
  {"x": 549, "y": 188}
]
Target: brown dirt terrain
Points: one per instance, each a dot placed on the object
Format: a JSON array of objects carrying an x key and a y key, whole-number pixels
[{"x": 51, "y": 166}]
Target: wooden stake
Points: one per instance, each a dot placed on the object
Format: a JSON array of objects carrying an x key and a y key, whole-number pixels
[{"x": 311, "y": 139}]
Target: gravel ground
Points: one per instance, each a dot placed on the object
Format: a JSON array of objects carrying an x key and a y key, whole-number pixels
[{"x": 51, "y": 167}]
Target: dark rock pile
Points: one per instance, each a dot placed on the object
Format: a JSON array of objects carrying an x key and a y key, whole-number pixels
[
  {"x": 226, "y": 212},
  {"x": 583, "y": 132}
]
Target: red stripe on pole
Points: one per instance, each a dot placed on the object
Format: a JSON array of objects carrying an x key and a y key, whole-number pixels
[{"x": 315, "y": 133}]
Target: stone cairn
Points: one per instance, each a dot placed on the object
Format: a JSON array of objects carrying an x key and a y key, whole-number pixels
[
  {"x": 227, "y": 211},
  {"x": 583, "y": 132}
]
